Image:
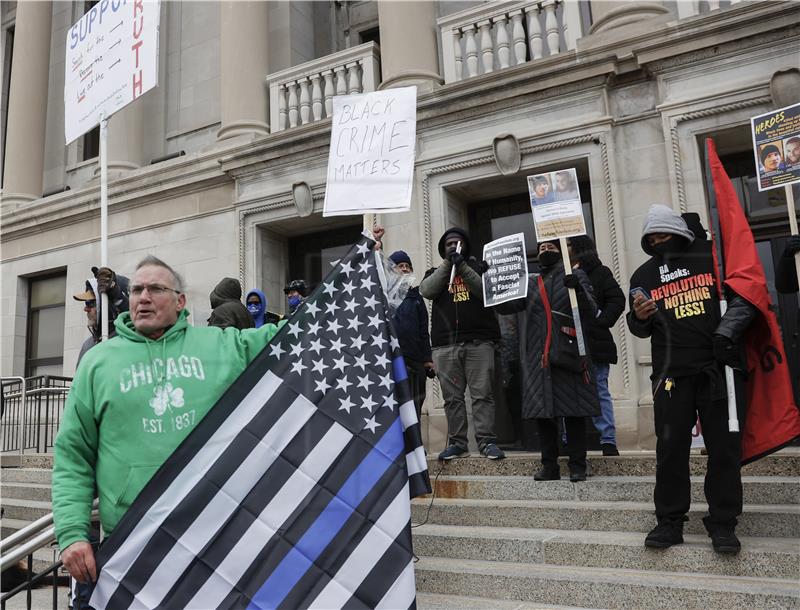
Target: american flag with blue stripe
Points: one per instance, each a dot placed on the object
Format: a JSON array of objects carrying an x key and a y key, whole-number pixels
[{"x": 294, "y": 491}]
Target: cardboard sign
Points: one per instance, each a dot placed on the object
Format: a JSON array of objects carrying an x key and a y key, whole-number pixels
[
  {"x": 371, "y": 160},
  {"x": 776, "y": 145},
  {"x": 556, "y": 204},
  {"x": 112, "y": 59},
  {"x": 507, "y": 276}
]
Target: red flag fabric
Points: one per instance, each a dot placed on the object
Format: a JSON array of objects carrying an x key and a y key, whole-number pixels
[{"x": 772, "y": 419}]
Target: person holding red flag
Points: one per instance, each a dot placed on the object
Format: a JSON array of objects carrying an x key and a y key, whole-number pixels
[{"x": 674, "y": 301}]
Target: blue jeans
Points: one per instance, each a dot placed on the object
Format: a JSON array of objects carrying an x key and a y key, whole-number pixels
[
  {"x": 605, "y": 421},
  {"x": 82, "y": 595}
]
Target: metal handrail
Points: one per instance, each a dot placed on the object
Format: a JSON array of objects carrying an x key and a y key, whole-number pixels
[
  {"x": 31, "y": 538},
  {"x": 21, "y": 432}
]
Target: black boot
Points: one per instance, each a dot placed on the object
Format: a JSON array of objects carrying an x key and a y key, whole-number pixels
[
  {"x": 665, "y": 534},
  {"x": 547, "y": 474},
  {"x": 723, "y": 537}
]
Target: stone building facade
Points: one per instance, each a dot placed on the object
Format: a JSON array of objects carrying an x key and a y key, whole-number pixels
[{"x": 221, "y": 169}]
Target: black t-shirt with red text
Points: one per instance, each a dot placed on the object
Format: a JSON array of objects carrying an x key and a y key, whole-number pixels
[{"x": 682, "y": 285}]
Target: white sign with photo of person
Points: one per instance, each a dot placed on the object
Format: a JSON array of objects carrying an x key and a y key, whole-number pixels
[
  {"x": 776, "y": 145},
  {"x": 111, "y": 60},
  {"x": 507, "y": 276},
  {"x": 371, "y": 159},
  {"x": 556, "y": 204}
]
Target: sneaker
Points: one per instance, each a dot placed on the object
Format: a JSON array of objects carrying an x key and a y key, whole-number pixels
[
  {"x": 724, "y": 541},
  {"x": 547, "y": 474},
  {"x": 665, "y": 534},
  {"x": 609, "y": 449},
  {"x": 493, "y": 452},
  {"x": 453, "y": 452}
]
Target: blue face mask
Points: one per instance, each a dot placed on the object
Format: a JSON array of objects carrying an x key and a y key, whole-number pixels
[
  {"x": 294, "y": 301},
  {"x": 253, "y": 307}
]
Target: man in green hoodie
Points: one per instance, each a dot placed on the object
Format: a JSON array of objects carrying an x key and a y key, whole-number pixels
[{"x": 134, "y": 399}]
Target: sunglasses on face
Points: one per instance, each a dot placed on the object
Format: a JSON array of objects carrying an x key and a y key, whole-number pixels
[
  {"x": 155, "y": 290},
  {"x": 90, "y": 304}
]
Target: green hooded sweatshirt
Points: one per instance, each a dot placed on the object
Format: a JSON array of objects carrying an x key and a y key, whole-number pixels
[{"x": 131, "y": 404}]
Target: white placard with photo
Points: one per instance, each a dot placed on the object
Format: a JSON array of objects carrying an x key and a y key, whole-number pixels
[{"x": 556, "y": 204}]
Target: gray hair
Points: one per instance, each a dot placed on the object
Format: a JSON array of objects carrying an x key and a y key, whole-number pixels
[{"x": 153, "y": 261}]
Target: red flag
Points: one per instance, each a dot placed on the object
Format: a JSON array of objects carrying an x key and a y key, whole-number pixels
[{"x": 772, "y": 419}]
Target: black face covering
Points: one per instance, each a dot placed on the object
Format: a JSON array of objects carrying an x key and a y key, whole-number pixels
[
  {"x": 675, "y": 245},
  {"x": 548, "y": 258}
]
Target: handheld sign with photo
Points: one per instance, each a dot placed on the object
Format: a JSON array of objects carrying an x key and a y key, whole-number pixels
[
  {"x": 111, "y": 59},
  {"x": 507, "y": 276},
  {"x": 776, "y": 145},
  {"x": 556, "y": 204},
  {"x": 371, "y": 159}
]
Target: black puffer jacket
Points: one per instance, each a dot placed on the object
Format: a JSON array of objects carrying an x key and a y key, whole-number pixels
[
  {"x": 228, "y": 309},
  {"x": 611, "y": 305},
  {"x": 551, "y": 392}
]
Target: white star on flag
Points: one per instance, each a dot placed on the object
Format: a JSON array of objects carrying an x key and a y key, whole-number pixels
[
  {"x": 319, "y": 367},
  {"x": 360, "y": 361},
  {"x": 371, "y": 302},
  {"x": 316, "y": 346},
  {"x": 367, "y": 283},
  {"x": 298, "y": 367},
  {"x": 313, "y": 328},
  {"x": 294, "y": 329},
  {"x": 362, "y": 248},
  {"x": 322, "y": 386},
  {"x": 337, "y": 345},
  {"x": 365, "y": 382},
  {"x": 331, "y": 307},
  {"x": 390, "y": 403},
  {"x": 347, "y": 269},
  {"x": 357, "y": 342},
  {"x": 371, "y": 424},
  {"x": 276, "y": 350},
  {"x": 367, "y": 403},
  {"x": 334, "y": 326},
  {"x": 329, "y": 289},
  {"x": 349, "y": 287},
  {"x": 382, "y": 360},
  {"x": 350, "y": 305},
  {"x": 364, "y": 267},
  {"x": 375, "y": 321},
  {"x": 386, "y": 381},
  {"x": 394, "y": 343},
  {"x": 312, "y": 307},
  {"x": 343, "y": 383},
  {"x": 297, "y": 349},
  {"x": 345, "y": 404},
  {"x": 354, "y": 323},
  {"x": 340, "y": 364},
  {"x": 378, "y": 341}
]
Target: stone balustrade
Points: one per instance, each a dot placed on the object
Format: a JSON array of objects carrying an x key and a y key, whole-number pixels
[
  {"x": 498, "y": 35},
  {"x": 303, "y": 94},
  {"x": 689, "y": 8}
]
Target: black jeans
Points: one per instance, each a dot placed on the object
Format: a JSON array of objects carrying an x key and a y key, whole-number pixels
[
  {"x": 549, "y": 438},
  {"x": 676, "y": 410}
]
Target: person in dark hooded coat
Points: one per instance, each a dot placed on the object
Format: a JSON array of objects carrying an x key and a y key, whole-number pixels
[
  {"x": 550, "y": 391},
  {"x": 227, "y": 306}
]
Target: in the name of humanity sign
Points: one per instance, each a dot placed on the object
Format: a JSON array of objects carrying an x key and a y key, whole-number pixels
[
  {"x": 112, "y": 59},
  {"x": 556, "y": 204},
  {"x": 776, "y": 144},
  {"x": 507, "y": 276},
  {"x": 371, "y": 159}
]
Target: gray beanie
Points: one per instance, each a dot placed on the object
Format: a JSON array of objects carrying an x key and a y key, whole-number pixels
[{"x": 663, "y": 219}]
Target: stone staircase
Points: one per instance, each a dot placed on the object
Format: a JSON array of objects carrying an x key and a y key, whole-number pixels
[{"x": 495, "y": 538}]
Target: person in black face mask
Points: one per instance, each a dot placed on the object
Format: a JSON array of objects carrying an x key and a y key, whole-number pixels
[
  {"x": 556, "y": 382},
  {"x": 674, "y": 302}
]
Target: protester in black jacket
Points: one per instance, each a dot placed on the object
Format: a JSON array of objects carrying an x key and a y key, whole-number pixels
[
  {"x": 674, "y": 301},
  {"x": 117, "y": 289},
  {"x": 553, "y": 388},
  {"x": 464, "y": 336},
  {"x": 411, "y": 325},
  {"x": 228, "y": 308},
  {"x": 786, "y": 272},
  {"x": 610, "y": 306}
]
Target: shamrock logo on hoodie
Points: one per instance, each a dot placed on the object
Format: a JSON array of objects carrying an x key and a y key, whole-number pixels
[{"x": 165, "y": 397}]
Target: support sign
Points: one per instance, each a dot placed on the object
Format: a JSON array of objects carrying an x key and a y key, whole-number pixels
[
  {"x": 112, "y": 59},
  {"x": 507, "y": 276}
]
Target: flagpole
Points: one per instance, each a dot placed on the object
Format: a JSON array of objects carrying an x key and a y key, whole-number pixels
[
  {"x": 103, "y": 220},
  {"x": 719, "y": 264},
  {"x": 793, "y": 226}
]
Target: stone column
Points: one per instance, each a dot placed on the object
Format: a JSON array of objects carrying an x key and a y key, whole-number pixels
[
  {"x": 125, "y": 143},
  {"x": 243, "y": 68},
  {"x": 27, "y": 104},
  {"x": 408, "y": 44},
  {"x": 611, "y": 14}
]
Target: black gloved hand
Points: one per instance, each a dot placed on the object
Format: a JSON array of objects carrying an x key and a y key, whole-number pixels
[
  {"x": 571, "y": 281},
  {"x": 792, "y": 246},
  {"x": 482, "y": 267},
  {"x": 455, "y": 258},
  {"x": 106, "y": 280},
  {"x": 726, "y": 351}
]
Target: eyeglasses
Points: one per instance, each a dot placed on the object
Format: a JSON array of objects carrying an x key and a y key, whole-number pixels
[
  {"x": 90, "y": 304},
  {"x": 155, "y": 290}
]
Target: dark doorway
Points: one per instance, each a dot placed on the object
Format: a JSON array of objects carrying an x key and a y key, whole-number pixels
[
  {"x": 491, "y": 219},
  {"x": 311, "y": 255}
]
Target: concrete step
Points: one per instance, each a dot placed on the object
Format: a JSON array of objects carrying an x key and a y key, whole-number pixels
[
  {"x": 27, "y": 510},
  {"x": 41, "y": 599},
  {"x": 25, "y": 491},
  {"x": 760, "y": 557},
  {"x": 757, "y": 490},
  {"x": 601, "y": 587},
  {"x": 785, "y": 463},
  {"x": 26, "y": 475},
  {"x": 781, "y": 521},
  {"x": 434, "y": 601}
]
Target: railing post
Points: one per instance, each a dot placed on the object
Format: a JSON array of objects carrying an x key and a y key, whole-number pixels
[
  {"x": 571, "y": 17},
  {"x": 22, "y": 419},
  {"x": 688, "y": 8},
  {"x": 451, "y": 38}
]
